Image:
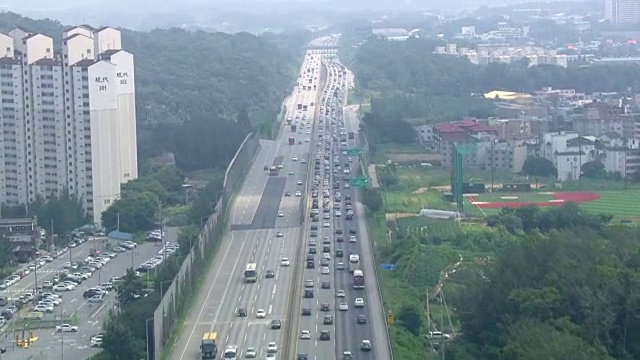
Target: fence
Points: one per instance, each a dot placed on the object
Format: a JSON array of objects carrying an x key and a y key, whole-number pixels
[{"x": 176, "y": 298}]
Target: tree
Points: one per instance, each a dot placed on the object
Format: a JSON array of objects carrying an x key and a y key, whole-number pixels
[
  {"x": 129, "y": 289},
  {"x": 372, "y": 199},
  {"x": 539, "y": 166},
  {"x": 411, "y": 318},
  {"x": 593, "y": 170},
  {"x": 135, "y": 212},
  {"x": 119, "y": 342},
  {"x": 6, "y": 255},
  {"x": 65, "y": 211}
]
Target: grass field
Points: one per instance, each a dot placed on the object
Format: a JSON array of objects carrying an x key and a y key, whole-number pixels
[
  {"x": 622, "y": 204},
  {"x": 425, "y": 226}
]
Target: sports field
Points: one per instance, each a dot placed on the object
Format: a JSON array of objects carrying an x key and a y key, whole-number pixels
[{"x": 622, "y": 204}]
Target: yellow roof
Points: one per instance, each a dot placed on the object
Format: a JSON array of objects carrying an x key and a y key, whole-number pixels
[{"x": 506, "y": 95}]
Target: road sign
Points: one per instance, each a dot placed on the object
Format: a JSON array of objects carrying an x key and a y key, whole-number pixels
[
  {"x": 388, "y": 266},
  {"x": 354, "y": 152},
  {"x": 359, "y": 182},
  {"x": 390, "y": 317}
]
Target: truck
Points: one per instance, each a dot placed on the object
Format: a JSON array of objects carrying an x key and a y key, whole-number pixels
[
  {"x": 293, "y": 127},
  {"x": 208, "y": 346},
  {"x": 292, "y": 140}
]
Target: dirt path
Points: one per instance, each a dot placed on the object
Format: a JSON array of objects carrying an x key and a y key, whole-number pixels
[
  {"x": 373, "y": 176},
  {"x": 444, "y": 274}
]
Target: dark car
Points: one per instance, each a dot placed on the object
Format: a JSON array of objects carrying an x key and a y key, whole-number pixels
[
  {"x": 306, "y": 312},
  {"x": 286, "y": 193},
  {"x": 312, "y": 250},
  {"x": 303, "y": 357},
  {"x": 352, "y": 231},
  {"x": 339, "y": 239},
  {"x": 328, "y": 320},
  {"x": 308, "y": 294},
  {"x": 270, "y": 274},
  {"x": 276, "y": 324},
  {"x": 338, "y": 231},
  {"x": 90, "y": 293},
  {"x": 326, "y": 285},
  {"x": 324, "y": 335},
  {"x": 325, "y": 307},
  {"x": 311, "y": 264},
  {"x": 242, "y": 312},
  {"x": 361, "y": 319}
]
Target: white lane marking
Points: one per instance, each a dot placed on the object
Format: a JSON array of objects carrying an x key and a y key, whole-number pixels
[
  {"x": 270, "y": 309},
  {"x": 215, "y": 280},
  {"x": 274, "y": 289}
]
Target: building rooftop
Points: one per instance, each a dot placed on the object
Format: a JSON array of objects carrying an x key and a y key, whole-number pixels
[
  {"x": 119, "y": 235},
  {"x": 85, "y": 63},
  {"x": 507, "y": 95},
  {"x": 47, "y": 62}
]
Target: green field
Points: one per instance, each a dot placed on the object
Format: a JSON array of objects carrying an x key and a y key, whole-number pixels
[{"x": 622, "y": 204}]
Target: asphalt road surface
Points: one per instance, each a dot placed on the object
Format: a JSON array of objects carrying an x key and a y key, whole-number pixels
[
  {"x": 53, "y": 346},
  {"x": 253, "y": 239}
]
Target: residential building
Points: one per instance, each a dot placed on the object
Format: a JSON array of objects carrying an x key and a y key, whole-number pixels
[
  {"x": 68, "y": 117},
  {"x": 622, "y": 11},
  {"x": 23, "y": 235},
  {"x": 555, "y": 142},
  {"x": 491, "y": 53},
  {"x": 506, "y": 157}
]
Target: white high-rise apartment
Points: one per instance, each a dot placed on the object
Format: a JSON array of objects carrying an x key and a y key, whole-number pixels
[
  {"x": 622, "y": 11},
  {"x": 68, "y": 117}
]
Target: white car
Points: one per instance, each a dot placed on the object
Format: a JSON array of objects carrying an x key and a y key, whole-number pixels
[
  {"x": 285, "y": 262},
  {"x": 298, "y": 193},
  {"x": 305, "y": 335},
  {"x": 295, "y": 158},
  {"x": 279, "y": 234},
  {"x": 43, "y": 308},
  {"x": 250, "y": 353},
  {"x": 280, "y": 214},
  {"x": 66, "y": 328},
  {"x": 63, "y": 287},
  {"x": 359, "y": 302},
  {"x": 343, "y": 306},
  {"x": 261, "y": 314},
  {"x": 325, "y": 270},
  {"x": 352, "y": 238},
  {"x": 340, "y": 293},
  {"x": 271, "y": 356},
  {"x": 326, "y": 224},
  {"x": 272, "y": 347},
  {"x": 95, "y": 299},
  {"x": 299, "y": 182}
]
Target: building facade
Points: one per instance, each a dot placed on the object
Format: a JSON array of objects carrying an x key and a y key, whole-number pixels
[
  {"x": 622, "y": 11},
  {"x": 68, "y": 117}
]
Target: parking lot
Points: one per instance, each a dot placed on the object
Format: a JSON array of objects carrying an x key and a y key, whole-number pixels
[{"x": 85, "y": 313}]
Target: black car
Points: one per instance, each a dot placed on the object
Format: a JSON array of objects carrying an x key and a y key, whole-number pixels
[
  {"x": 325, "y": 307},
  {"x": 326, "y": 285},
  {"x": 286, "y": 193},
  {"x": 339, "y": 239},
  {"x": 311, "y": 264},
  {"x": 270, "y": 274},
  {"x": 352, "y": 231},
  {"x": 324, "y": 335},
  {"x": 242, "y": 312},
  {"x": 312, "y": 250},
  {"x": 338, "y": 231},
  {"x": 303, "y": 357},
  {"x": 306, "y": 312},
  {"x": 308, "y": 294},
  {"x": 328, "y": 320},
  {"x": 361, "y": 319},
  {"x": 276, "y": 324},
  {"x": 90, "y": 293}
]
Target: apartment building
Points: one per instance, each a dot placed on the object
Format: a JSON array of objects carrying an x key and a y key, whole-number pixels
[
  {"x": 622, "y": 11},
  {"x": 68, "y": 117}
]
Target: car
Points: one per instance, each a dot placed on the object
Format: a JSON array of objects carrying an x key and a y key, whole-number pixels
[
  {"x": 43, "y": 308},
  {"x": 261, "y": 314},
  {"x": 271, "y": 356},
  {"x": 298, "y": 193},
  {"x": 66, "y": 328},
  {"x": 242, "y": 312},
  {"x": 308, "y": 294},
  {"x": 290, "y": 172},
  {"x": 365, "y": 345},
  {"x": 47, "y": 284},
  {"x": 272, "y": 347},
  {"x": 287, "y": 193},
  {"x": 299, "y": 182},
  {"x": 279, "y": 234},
  {"x": 326, "y": 285},
  {"x": 305, "y": 335},
  {"x": 326, "y": 224},
  {"x": 295, "y": 158},
  {"x": 325, "y": 307},
  {"x": 359, "y": 302},
  {"x": 341, "y": 293},
  {"x": 276, "y": 324},
  {"x": 340, "y": 266},
  {"x": 306, "y": 312},
  {"x": 325, "y": 270},
  {"x": 285, "y": 262},
  {"x": 347, "y": 355},
  {"x": 63, "y": 287},
  {"x": 343, "y": 306},
  {"x": 325, "y": 335},
  {"x": 270, "y": 274},
  {"x": 280, "y": 214},
  {"x": 327, "y": 320},
  {"x": 96, "y": 299},
  {"x": 361, "y": 319},
  {"x": 250, "y": 353},
  {"x": 352, "y": 231},
  {"x": 308, "y": 283},
  {"x": 352, "y": 239}
]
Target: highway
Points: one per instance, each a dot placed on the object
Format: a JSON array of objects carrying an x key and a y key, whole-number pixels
[
  {"x": 258, "y": 234},
  {"x": 346, "y": 334},
  {"x": 88, "y": 316}
]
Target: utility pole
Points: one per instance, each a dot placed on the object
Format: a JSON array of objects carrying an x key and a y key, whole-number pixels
[
  {"x": 493, "y": 166},
  {"x": 118, "y": 222},
  {"x": 51, "y": 235},
  {"x": 61, "y": 333}
]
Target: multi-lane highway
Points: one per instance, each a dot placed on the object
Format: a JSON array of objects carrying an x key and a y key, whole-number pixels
[
  {"x": 86, "y": 315},
  {"x": 265, "y": 220}
]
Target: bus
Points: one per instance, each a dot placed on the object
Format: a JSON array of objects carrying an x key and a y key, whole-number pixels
[
  {"x": 358, "y": 279},
  {"x": 208, "y": 346},
  {"x": 354, "y": 262},
  {"x": 250, "y": 273}
]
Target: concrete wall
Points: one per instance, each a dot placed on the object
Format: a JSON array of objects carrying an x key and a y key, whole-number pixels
[{"x": 177, "y": 297}]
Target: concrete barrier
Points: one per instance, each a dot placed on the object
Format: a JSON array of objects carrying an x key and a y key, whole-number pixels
[{"x": 176, "y": 298}]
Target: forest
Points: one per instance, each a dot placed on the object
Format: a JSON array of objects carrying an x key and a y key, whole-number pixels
[{"x": 406, "y": 84}]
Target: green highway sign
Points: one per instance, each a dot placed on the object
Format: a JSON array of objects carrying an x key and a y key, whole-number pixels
[
  {"x": 354, "y": 152},
  {"x": 359, "y": 182}
]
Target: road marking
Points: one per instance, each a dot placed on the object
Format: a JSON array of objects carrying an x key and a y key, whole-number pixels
[
  {"x": 270, "y": 309},
  {"x": 209, "y": 293}
]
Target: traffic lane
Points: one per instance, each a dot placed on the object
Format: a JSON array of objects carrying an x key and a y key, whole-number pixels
[{"x": 47, "y": 271}]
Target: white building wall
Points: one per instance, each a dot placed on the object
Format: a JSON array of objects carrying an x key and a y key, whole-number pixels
[
  {"x": 126, "y": 103},
  {"x": 6, "y": 46},
  {"x": 17, "y": 35},
  {"x": 107, "y": 39},
  {"x": 555, "y": 142},
  {"x": 78, "y": 30},
  {"x": 38, "y": 47},
  {"x": 569, "y": 166},
  {"x": 105, "y": 136},
  {"x": 614, "y": 161},
  {"x": 78, "y": 47}
]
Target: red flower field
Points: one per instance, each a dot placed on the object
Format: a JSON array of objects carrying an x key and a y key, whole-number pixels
[{"x": 559, "y": 198}]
